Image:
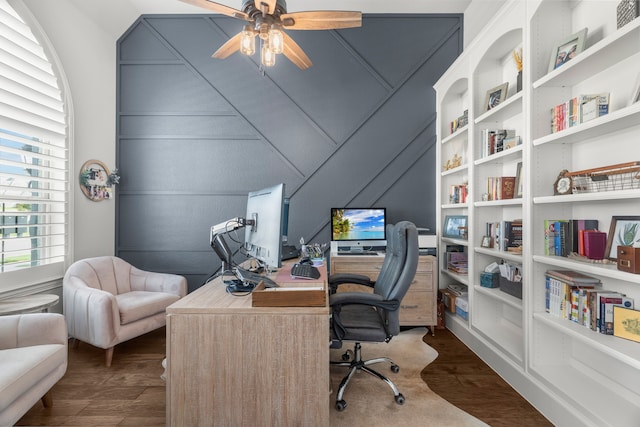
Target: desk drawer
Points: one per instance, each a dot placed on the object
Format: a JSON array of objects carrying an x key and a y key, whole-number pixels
[{"x": 417, "y": 308}]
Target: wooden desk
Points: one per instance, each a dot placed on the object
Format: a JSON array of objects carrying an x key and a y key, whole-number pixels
[{"x": 231, "y": 364}]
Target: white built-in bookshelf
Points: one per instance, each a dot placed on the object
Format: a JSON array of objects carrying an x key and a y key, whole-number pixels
[{"x": 573, "y": 375}]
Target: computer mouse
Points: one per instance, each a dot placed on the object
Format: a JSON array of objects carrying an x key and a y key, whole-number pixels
[{"x": 306, "y": 260}]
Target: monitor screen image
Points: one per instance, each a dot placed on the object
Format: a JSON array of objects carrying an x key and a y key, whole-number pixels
[
  {"x": 355, "y": 224},
  {"x": 263, "y": 234}
]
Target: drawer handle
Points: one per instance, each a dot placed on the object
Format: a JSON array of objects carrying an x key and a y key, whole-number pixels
[{"x": 409, "y": 306}]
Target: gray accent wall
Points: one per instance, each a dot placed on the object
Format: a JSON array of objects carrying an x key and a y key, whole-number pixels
[{"x": 196, "y": 134}]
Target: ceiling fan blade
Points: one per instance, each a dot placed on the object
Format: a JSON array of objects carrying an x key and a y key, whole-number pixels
[
  {"x": 295, "y": 53},
  {"x": 231, "y": 46},
  {"x": 321, "y": 20},
  {"x": 269, "y": 4},
  {"x": 219, "y": 8}
]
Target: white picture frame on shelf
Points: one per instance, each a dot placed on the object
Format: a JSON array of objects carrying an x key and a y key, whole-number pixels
[
  {"x": 495, "y": 96},
  {"x": 567, "y": 49},
  {"x": 635, "y": 95}
]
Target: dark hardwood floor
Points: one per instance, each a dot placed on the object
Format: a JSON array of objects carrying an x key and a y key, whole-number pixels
[
  {"x": 131, "y": 393},
  {"x": 464, "y": 380}
]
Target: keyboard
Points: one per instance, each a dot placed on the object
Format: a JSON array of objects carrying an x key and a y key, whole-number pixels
[{"x": 304, "y": 271}]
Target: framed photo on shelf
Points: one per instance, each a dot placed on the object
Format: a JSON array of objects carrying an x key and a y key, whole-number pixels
[
  {"x": 567, "y": 49},
  {"x": 626, "y": 323},
  {"x": 455, "y": 227},
  {"x": 624, "y": 231},
  {"x": 635, "y": 95},
  {"x": 495, "y": 96},
  {"x": 486, "y": 242}
]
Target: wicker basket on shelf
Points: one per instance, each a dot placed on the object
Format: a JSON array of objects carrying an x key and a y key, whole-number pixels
[{"x": 623, "y": 176}]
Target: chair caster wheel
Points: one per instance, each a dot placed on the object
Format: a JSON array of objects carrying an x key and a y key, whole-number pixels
[
  {"x": 395, "y": 369},
  {"x": 341, "y": 404},
  {"x": 347, "y": 355},
  {"x": 400, "y": 399}
]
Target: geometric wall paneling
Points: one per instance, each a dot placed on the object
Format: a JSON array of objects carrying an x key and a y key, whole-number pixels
[{"x": 195, "y": 134}]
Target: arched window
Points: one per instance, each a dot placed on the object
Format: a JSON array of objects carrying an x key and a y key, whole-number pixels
[{"x": 34, "y": 154}]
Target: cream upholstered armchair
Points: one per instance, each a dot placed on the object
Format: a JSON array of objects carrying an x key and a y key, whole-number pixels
[{"x": 107, "y": 301}]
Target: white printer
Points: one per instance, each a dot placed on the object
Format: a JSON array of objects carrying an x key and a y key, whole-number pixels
[{"x": 426, "y": 242}]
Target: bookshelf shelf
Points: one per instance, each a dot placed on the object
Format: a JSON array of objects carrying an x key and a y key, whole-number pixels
[
  {"x": 464, "y": 279},
  {"x": 554, "y": 363},
  {"x": 459, "y": 169},
  {"x": 455, "y": 206},
  {"x": 497, "y": 294},
  {"x": 499, "y": 157},
  {"x": 510, "y": 107},
  {"x": 509, "y": 256}
]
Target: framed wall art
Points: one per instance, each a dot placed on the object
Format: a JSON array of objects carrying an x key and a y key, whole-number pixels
[
  {"x": 624, "y": 231},
  {"x": 95, "y": 181}
]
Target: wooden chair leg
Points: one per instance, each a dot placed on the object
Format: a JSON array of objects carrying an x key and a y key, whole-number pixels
[
  {"x": 108, "y": 356},
  {"x": 47, "y": 399}
]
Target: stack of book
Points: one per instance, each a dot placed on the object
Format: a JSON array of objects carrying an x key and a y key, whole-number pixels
[
  {"x": 458, "y": 193},
  {"x": 496, "y": 140},
  {"x": 505, "y": 235},
  {"x": 579, "y": 298},
  {"x": 501, "y": 187},
  {"x": 578, "y": 110},
  {"x": 563, "y": 237}
]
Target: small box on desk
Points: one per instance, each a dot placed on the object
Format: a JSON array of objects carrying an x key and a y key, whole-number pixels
[
  {"x": 489, "y": 280},
  {"x": 629, "y": 259},
  {"x": 511, "y": 288},
  {"x": 313, "y": 295}
]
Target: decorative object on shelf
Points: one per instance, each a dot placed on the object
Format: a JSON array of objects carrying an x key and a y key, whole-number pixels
[
  {"x": 621, "y": 176},
  {"x": 454, "y": 162},
  {"x": 635, "y": 95},
  {"x": 627, "y": 12},
  {"x": 563, "y": 184},
  {"x": 629, "y": 258},
  {"x": 455, "y": 226},
  {"x": 517, "y": 58},
  {"x": 567, "y": 49},
  {"x": 96, "y": 182},
  {"x": 624, "y": 231},
  {"x": 495, "y": 96},
  {"x": 486, "y": 242},
  {"x": 519, "y": 181}
]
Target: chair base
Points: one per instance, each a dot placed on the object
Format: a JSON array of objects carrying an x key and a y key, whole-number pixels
[{"x": 357, "y": 364}]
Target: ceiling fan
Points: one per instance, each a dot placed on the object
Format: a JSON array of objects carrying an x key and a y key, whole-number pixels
[{"x": 267, "y": 19}]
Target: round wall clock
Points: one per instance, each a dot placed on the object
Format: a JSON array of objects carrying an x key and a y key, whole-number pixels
[
  {"x": 563, "y": 184},
  {"x": 94, "y": 181}
]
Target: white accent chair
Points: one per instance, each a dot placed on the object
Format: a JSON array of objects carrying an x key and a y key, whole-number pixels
[
  {"x": 33, "y": 357},
  {"x": 108, "y": 301}
]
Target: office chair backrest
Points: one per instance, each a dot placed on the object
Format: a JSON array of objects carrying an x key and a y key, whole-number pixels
[
  {"x": 405, "y": 262},
  {"x": 387, "y": 271}
]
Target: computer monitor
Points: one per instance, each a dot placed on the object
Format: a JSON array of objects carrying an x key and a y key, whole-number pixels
[
  {"x": 263, "y": 232},
  {"x": 356, "y": 229}
]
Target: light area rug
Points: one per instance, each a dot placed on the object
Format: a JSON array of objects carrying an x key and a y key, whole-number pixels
[{"x": 370, "y": 401}]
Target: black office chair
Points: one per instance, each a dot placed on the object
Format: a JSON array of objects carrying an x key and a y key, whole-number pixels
[{"x": 364, "y": 316}]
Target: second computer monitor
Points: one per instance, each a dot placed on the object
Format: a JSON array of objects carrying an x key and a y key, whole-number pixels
[
  {"x": 263, "y": 235},
  {"x": 358, "y": 228}
]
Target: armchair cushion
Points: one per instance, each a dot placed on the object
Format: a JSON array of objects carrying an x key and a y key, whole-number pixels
[
  {"x": 33, "y": 357},
  {"x": 136, "y": 305}
]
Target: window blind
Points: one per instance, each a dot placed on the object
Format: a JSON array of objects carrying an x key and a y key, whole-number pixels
[{"x": 34, "y": 165}]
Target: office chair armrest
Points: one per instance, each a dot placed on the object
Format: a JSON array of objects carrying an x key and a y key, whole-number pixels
[
  {"x": 338, "y": 279},
  {"x": 375, "y": 300}
]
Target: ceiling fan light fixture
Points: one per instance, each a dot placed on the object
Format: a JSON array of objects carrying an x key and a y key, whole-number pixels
[
  {"x": 276, "y": 39},
  {"x": 248, "y": 41},
  {"x": 267, "y": 56}
]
